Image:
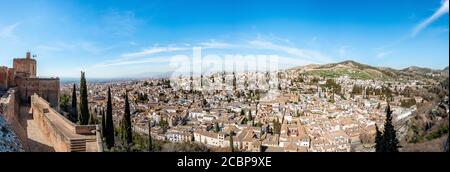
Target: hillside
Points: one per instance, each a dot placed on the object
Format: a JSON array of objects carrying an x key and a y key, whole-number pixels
[
  {"x": 357, "y": 70},
  {"x": 8, "y": 140},
  {"x": 350, "y": 68}
]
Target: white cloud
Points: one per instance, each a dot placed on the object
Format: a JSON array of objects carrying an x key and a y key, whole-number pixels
[
  {"x": 48, "y": 48},
  {"x": 133, "y": 62},
  {"x": 86, "y": 46},
  {"x": 297, "y": 52},
  {"x": 141, "y": 57},
  {"x": 289, "y": 55},
  {"x": 154, "y": 50},
  {"x": 441, "y": 11},
  {"x": 8, "y": 31},
  {"x": 383, "y": 54},
  {"x": 215, "y": 44}
]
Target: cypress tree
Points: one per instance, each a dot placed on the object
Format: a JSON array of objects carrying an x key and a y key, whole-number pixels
[
  {"x": 378, "y": 140},
  {"x": 127, "y": 131},
  {"x": 103, "y": 123},
  {"x": 231, "y": 142},
  {"x": 216, "y": 127},
  {"x": 74, "y": 111},
  {"x": 390, "y": 141},
  {"x": 446, "y": 145},
  {"x": 234, "y": 82},
  {"x": 84, "y": 109},
  {"x": 109, "y": 125},
  {"x": 150, "y": 143}
]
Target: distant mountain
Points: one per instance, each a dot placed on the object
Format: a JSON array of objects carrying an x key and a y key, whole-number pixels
[
  {"x": 445, "y": 71},
  {"x": 416, "y": 69},
  {"x": 350, "y": 68},
  {"x": 363, "y": 71}
]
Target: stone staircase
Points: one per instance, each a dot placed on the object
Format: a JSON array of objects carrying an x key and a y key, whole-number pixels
[{"x": 77, "y": 145}]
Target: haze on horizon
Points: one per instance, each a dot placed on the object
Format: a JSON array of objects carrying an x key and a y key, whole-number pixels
[{"x": 116, "y": 38}]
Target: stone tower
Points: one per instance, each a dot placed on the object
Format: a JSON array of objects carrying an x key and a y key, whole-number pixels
[{"x": 25, "y": 67}]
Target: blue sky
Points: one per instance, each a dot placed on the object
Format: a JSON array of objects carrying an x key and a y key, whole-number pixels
[{"x": 118, "y": 38}]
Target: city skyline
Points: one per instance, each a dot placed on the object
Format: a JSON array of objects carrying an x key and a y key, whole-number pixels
[{"x": 118, "y": 39}]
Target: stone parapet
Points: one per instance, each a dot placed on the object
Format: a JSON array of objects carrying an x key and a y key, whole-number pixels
[{"x": 64, "y": 134}]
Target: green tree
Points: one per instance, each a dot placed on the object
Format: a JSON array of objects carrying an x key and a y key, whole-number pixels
[
  {"x": 83, "y": 117},
  {"x": 103, "y": 123},
  {"x": 446, "y": 143},
  {"x": 64, "y": 103},
  {"x": 276, "y": 127},
  {"x": 126, "y": 124},
  {"x": 109, "y": 125},
  {"x": 234, "y": 82},
  {"x": 74, "y": 110},
  {"x": 378, "y": 140},
  {"x": 216, "y": 127},
  {"x": 150, "y": 143},
  {"x": 231, "y": 142},
  {"x": 390, "y": 142}
]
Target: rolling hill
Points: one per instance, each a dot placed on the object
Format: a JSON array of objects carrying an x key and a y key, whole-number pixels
[
  {"x": 350, "y": 68},
  {"x": 357, "y": 70}
]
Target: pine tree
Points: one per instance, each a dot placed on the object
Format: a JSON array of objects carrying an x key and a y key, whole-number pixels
[
  {"x": 127, "y": 131},
  {"x": 109, "y": 124},
  {"x": 390, "y": 141},
  {"x": 83, "y": 117},
  {"x": 378, "y": 140},
  {"x": 74, "y": 110}
]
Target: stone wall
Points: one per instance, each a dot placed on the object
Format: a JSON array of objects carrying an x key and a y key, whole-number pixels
[
  {"x": 3, "y": 78},
  {"x": 64, "y": 135},
  {"x": 9, "y": 107},
  {"x": 45, "y": 88}
]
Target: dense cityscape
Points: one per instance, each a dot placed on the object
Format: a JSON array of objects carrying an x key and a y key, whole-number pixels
[
  {"x": 225, "y": 76},
  {"x": 295, "y": 110}
]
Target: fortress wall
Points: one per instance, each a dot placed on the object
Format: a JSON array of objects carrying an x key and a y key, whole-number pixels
[
  {"x": 64, "y": 134},
  {"x": 9, "y": 107},
  {"x": 3, "y": 78},
  {"x": 11, "y": 77},
  {"x": 45, "y": 88},
  {"x": 57, "y": 138},
  {"x": 41, "y": 112}
]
